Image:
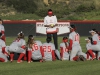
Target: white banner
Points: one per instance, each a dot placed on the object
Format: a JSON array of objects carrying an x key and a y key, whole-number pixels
[{"x": 63, "y": 28}]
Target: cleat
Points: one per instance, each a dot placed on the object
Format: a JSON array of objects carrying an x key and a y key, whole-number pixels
[
  {"x": 78, "y": 59},
  {"x": 19, "y": 61},
  {"x": 82, "y": 58},
  {"x": 29, "y": 61}
]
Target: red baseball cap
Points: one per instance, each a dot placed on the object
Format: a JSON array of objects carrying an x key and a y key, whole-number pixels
[{"x": 50, "y": 13}]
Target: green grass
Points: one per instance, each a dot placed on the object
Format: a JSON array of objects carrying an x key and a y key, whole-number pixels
[
  {"x": 50, "y": 68},
  {"x": 21, "y": 17}
]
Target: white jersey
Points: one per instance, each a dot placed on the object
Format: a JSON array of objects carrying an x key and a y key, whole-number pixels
[
  {"x": 1, "y": 28},
  {"x": 65, "y": 51},
  {"x": 75, "y": 37},
  {"x": 2, "y": 44},
  {"x": 48, "y": 48},
  {"x": 50, "y": 20},
  {"x": 18, "y": 43},
  {"x": 96, "y": 38},
  {"x": 36, "y": 53},
  {"x": 88, "y": 46}
]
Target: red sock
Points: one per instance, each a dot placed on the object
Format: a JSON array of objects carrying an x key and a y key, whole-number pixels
[
  {"x": 75, "y": 58},
  {"x": 11, "y": 56},
  {"x": 20, "y": 56},
  {"x": 29, "y": 55},
  {"x": 25, "y": 57},
  {"x": 87, "y": 55},
  {"x": 91, "y": 53},
  {"x": 2, "y": 60}
]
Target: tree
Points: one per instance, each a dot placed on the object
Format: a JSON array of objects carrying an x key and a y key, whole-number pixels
[{"x": 25, "y": 6}]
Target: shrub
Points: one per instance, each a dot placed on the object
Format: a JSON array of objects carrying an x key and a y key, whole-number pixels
[{"x": 25, "y": 6}]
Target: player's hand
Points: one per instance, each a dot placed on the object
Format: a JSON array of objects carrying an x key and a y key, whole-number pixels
[{"x": 51, "y": 25}]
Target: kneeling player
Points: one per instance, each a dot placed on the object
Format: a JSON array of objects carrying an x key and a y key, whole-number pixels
[
  {"x": 34, "y": 49},
  {"x": 18, "y": 46},
  {"x": 49, "y": 50},
  {"x": 3, "y": 50},
  {"x": 64, "y": 49},
  {"x": 89, "y": 50}
]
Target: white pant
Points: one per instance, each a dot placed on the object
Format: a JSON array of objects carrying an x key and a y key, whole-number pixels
[
  {"x": 4, "y": 57},
  {"x": 36, "y": 57},
  {"x": 16, "y": 49},
  {"x": 76, "y": 50},
  {"x": 95, "y": 47}
]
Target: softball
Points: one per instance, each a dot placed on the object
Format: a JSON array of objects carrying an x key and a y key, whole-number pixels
[{"x": 52, "y": 25}]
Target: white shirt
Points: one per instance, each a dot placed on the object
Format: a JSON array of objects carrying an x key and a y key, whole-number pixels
[
  {"x": 18, "y": 43},
  {"x": 2, "y": 44},
  {"x": 1, "y": 28},
  {"x": 36, "y": 53},
  {"x": 95, "y": 37},
  {"x": 48, "y": 47},
  {"x": 88, "y": 46},
  {"x": 75, "y": 38},
  {"x": 50, "y": 20},
  {"x": 65, "y": 51}
]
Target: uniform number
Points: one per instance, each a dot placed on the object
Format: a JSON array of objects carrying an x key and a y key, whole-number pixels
[
  {"x": 35, "y": 47},
  {"x": 47, "y": 48},
  {"x": 99, "y": 37}
]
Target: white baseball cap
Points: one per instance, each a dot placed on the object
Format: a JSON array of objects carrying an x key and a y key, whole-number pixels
[{"x": 87, "y": 39}]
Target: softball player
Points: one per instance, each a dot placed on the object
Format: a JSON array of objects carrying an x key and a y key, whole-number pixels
[
  {"x": 34, "y": 49},
  {"x": 90, "y": 53},
  {"x": 3, "y": 50},
  {"x": 2, "y": 30},
  {"x": 95, "y": 41},
  {"x": 48, "y": 48},
  {"x": 18, "y": 46},
  {"x": 64, "y": 49},
  {"x": 50, "y": 21},
  {"x": 74, "y": 44}
]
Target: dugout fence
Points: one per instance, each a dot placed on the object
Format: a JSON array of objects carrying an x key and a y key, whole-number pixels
[{"x": 12, "y": 27}]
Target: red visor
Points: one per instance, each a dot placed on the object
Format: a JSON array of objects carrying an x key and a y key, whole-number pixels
[
  {"x": 65, "y": 40},
  {"x": 50, "y": 13}
]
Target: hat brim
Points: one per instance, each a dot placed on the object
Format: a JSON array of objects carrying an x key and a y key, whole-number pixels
[
  {"x": 91, "y": 31},
  {"x": 86, "y": 39}
]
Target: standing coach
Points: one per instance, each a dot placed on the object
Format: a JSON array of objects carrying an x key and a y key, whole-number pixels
[{"x": 50, "y": 22}]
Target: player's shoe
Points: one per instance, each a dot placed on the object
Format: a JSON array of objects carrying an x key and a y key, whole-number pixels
[
  {"x": 11, "y": 60},
  {"x": 29, "y": 61},
  {"x": 82, "y": 58},
  {"x": 78, "y": 59},
  {"x": 93, "y": 58},
  {"x": 19, "y": 61}
]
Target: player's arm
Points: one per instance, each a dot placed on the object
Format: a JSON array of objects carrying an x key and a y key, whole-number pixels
[
  {"x": 41, "y": 50},
  {"x": 3, "y": 49},
  {"x": 93, "y": 41},
  {"x": 45, "y": 23},
  {"x": 2, "y": 30},
  {"x": 61, "y": 52},
  {"x": 55, "y": 18},
  {"x": 23, "y": 45},
  {"x": 70, "y": 44}
]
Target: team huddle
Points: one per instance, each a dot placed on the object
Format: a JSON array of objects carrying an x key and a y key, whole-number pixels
[
  {"x": 70, "y": 48},
  {"x": 34, "y": 50}
]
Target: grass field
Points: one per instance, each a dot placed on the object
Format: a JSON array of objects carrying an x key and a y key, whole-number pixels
[{"x": 51, "y": 68}]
